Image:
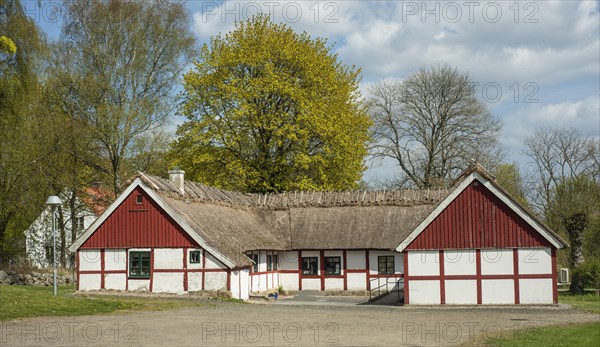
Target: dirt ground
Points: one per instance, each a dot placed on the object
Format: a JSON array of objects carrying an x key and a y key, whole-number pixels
[{"x": 231, "y": 324}]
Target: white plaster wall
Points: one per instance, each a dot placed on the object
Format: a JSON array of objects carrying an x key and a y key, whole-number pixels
[
  {"x": 215, "y": 281},
  {"x": 460, "y": 262},
  {"x": 535, "y": 291},
  {"x": 115, "y": 281},
  {"x": 259, "y": 283},
  {"x": 262, "y": 261},
  {"x": 288, "y": 260},
  {"x": 497, "y": 262},
  {"x": 311, "y": 284},
  {"x": 194, "y": 281},
  {"x": 168, "y": 258},
  {"x": 194, "y": 265},
  {"x": 357, "y": 281},
  {"x": 356, "y": 259},
  {"x": 235, "y": 288},
  {"x": 89, "y": 260},
  {"x": 424, "y": 292},
  {"x": 141, "y": 285},
  {"x": 289, "y": 281},
  {"x": 168, "y": 282},
  {"x": 244, "y": 284},
  {"x": 535, "y": 261},
  {"x": 334, "y": 284},
  {"x": 115, "y": 259},
  {"x": 423, "y": 263},
  {"x": 274, "y": 280},
  {"x": 497, "y": 292},
  {"x": 373, "y": 261},
  {"x": 212, "y": 262},
  {"x": 89, "y": 281},
  {"x": 461, "y": 292}
]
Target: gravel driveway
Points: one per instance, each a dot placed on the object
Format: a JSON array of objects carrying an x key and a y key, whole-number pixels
[{"x": 270, "y": 324}]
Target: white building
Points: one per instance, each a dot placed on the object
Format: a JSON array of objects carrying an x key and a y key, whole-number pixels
[{"x": 38, "y": 237}]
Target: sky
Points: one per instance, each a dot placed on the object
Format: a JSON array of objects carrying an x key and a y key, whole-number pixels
[{"x": 536, "y": 63}]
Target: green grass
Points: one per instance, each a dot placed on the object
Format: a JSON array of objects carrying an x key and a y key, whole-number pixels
[
  {"x": 29, "y": 301},
  {"x": 563, "y": 335},
  {"x": 587, "y": 334},
  {"x": 588, "y": 302}
]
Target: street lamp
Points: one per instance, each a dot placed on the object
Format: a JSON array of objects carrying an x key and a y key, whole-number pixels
[{"x": 54, "y": 201}]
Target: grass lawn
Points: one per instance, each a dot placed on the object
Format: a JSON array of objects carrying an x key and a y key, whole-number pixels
[
  {"x": 563, "y": 335},
  {"x": 31, "y": 301},
  {"x": 588, "y": 302}
]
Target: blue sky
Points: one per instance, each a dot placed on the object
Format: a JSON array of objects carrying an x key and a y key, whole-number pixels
[{"x": 537, "y": 62}]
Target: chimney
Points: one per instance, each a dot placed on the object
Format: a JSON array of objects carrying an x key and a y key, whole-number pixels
[{"x": 176, "y": 177}]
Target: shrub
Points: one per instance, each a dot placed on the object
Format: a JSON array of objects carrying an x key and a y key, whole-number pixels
[{"x": 586, "y": 275}]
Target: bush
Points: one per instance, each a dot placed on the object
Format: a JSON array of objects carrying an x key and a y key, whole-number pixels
[{"x": 586, "y": 275}]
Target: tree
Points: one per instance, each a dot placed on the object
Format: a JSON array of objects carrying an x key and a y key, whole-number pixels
[
  {"x": 272, "y": 110},
  {"x": 122, "y": 60},
  {"x": 576, "y": 201},
  {"x": 431, "y": 124},
  {"x": 509, "y": 178},
  {"x": 23, "y": 147},
  {"x": 557, "y": 154}
]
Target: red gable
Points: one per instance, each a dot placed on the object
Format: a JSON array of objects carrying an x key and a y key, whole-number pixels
[
  {"x": 478, "y": 219},
  {"x": 138, "y": 225}
]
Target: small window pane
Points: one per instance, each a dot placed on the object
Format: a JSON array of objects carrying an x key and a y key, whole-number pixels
[
  {"x": 194, "y": 257},
  {"x": 310, "y": 266},
  {"x": 255, "y": 259},
  {"x": 140, "y": 199},
  {"x": 385, "y": 264},
  {"x": 332, "y": 265},
  {"x": 269, "y": 263},
  {"x": 139, "y": 264},
  {"x": 275, "y": 262}
]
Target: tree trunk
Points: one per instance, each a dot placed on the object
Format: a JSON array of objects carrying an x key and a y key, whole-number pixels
[{"x": 575, "y": 224}]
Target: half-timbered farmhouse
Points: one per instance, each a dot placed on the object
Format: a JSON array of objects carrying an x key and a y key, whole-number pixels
[{"x": 471, "y": 244}]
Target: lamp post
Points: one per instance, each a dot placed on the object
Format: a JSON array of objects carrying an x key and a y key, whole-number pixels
[{"x": 54, "y": 201}]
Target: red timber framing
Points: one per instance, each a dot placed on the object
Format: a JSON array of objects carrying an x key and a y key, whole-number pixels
[
  {"x": 516, "y": 276},
  {"x": 185, "y": 270},
  {"x": 478, "y": 219},
  {"x": 144, "y": 225}
]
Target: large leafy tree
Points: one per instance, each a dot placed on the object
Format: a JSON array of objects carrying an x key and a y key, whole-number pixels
[
  {"x": 24, "y": 149},
  {"x": 272, "y": 110},
  {"x": 431, "y": 124},
  {"x": 121, "y": 61}
]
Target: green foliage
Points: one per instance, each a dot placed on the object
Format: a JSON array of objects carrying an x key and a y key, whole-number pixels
[
  {"x": 509, "y": 178},
  {"x": 119, "y": 66},
  {"x": 587, "y": 275},
  {"x": 24, "y": 147},
  {"x": 272, "y": 110},
  {"x": 7, "y": 45}
]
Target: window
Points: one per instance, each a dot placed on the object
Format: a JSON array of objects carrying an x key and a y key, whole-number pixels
[
  {"x": 194, "y": 257},
  {"x": 385, "y": 264},
  {"x": 139, "y": 264},
  {"x": 80, "y": 223},
  {"x": 139, "y": 199},
  {"x": 310, "y": 266},
  {"x": 332, "y": 265},
  {"x": 269, "y": 262},
  {"x": 254, "y": 257},
  {"x": 275, "y": 262}
]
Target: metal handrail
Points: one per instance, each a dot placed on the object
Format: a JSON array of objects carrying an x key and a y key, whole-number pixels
[{"x": 387, "y": 282}]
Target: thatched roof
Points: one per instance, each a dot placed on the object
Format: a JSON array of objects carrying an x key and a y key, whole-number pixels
[{"x": 233, "y": 222}]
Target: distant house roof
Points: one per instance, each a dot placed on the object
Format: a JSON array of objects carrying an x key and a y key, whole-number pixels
[
  {"x": 97, "y": 198},
  {"x": 232, "y": 223}
]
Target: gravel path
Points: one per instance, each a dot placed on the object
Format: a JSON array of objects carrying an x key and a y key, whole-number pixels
[{"x": 233, "y": 324}]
